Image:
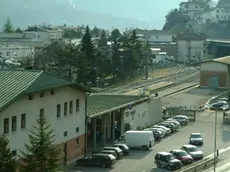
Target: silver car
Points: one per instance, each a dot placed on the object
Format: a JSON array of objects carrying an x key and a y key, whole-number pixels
[
  {"x": 177, "y": 124},
  {"x": 167, "y": 130},
  {"x": 193, "y": 152}
]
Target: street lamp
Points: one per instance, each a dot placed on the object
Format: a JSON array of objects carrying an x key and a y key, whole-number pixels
[{"x": 215, "y": 150}]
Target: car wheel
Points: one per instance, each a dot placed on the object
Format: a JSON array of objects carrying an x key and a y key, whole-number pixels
[
  {"x": 144, "y": 147},
  {"x": 158, "y": 164},
  {"x": 103, "y": 165},
  {"x": 169, "y": 167}
]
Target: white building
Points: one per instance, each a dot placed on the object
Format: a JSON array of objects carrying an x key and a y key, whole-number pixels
[
  {"x": 159, "y": 36},
  {"x": 193, "y": 8},
  {"x": 223, "y": 10},
  {"x": 16, "y": 52},
  {"x": 209, "y": 16},
  {"x": 191, "y": 46},
  {"x": 27, "y": 94}
]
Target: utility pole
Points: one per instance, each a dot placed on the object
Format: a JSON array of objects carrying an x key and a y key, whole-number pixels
[
  {"x": 215, "y": 151},
  {"x": 146, "y": 66}
]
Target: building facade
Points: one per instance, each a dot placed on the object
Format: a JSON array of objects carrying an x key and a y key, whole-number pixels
[
  {"x": 158, "y": 36},
  {"x": 62, "y": 102},
  {"x": 191, "y": 46},
  {"x": 209, "y": 16},
  {"x": 215, "y": 73},
  {"x": 223, "y": 10},
  {"x": 192, "y": 8},
  {"x": 16, "y": 52}
]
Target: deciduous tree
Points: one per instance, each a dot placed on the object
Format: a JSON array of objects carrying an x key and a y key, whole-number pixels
[{"x": 8, "y": 27}]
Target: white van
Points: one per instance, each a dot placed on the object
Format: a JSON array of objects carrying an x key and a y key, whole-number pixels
[{"x": 138, "y": 139}]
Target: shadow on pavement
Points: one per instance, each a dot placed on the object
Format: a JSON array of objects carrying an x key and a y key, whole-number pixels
[
  {"x": 137, "y": 154},
  {"x": 155, "y": 169},
  {"x": 225, "y": 133}
]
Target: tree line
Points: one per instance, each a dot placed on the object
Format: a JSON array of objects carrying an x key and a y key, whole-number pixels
[
  {"x": 87, "y": 61},
  {"x": 93, "y": 58}
]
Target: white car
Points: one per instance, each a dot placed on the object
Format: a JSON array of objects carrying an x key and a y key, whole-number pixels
[
  {"x": 167, "y": 130},
  {"x": 182, "y": 119},
  {"x": 220, "y": 105}
]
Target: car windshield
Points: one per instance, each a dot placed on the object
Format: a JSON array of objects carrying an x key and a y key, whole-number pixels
[
  {"x": 111, "y": 156},
  {"x": 118, "y": 149},
  {"x": 195, "y": 136},
  {"x": 125, "y": 146},
  {"x": 192, "y": 149},
  {"x": 170, "y": 157}
]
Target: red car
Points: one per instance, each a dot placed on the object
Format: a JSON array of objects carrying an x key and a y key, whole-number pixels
[{"x": 183, "y": 156}]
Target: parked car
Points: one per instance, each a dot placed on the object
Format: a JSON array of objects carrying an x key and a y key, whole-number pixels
[
  {"x": 116, "y": 149},
  {"x": 182, "y": 119},
  {"x": 114, "y": 153},
  {"x": 138, "y": 139},
  {"x": 196, "y": 139},
  {"x": 167, "y": 130},
  {"x": 167, "y": 160},
  {"x": 172, "y": 121},
  {"x": 183, "y": 156},
  {"x": 99, "y": 160},
  {"x": 193, "y": 151},
  {"x": 159, "y": 129},
  {"x": 125, "y": 149},
  {"x": 220, "y": 105},
  {"x": 171, "y": 126},
  {"x": 158, "y": 135}
]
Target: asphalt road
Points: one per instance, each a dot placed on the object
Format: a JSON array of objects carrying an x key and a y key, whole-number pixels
[{"x": 142, "y": 161}]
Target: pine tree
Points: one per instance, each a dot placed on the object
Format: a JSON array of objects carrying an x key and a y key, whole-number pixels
[
  {"x": 8, "y": 27},
  {"x": 7, "y": 161},
  {"x": 42, "y": 154},
  {"x": 88, "y": 48},
  {"x": 103, "y": 39}
]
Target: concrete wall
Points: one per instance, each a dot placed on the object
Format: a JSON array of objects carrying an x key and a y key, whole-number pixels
[
  {"x": 196, "y": 49},
  {"x": 31, "y": 108},
  {"x": 144, "y": 114}
]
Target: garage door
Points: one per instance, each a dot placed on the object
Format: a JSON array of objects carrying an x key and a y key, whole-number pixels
[{"x": 213, "y": 82}]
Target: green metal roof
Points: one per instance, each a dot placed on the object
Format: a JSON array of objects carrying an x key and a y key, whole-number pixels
[
  {"x": 13, "y": 83},
  {"x": 100, "y": 104}
]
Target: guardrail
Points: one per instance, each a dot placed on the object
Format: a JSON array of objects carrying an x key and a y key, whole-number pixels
[{"x": 200, "y": 166}]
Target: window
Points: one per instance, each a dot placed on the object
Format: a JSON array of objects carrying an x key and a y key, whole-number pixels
[
  {"x": 14, "y": 123},
  {"x": 14, "y": 152},
  {"x": 71, "y": 107},
  {"x": 51, "y": 92},
  {"x": 6, "y": 125},
  {"x": 7, "y": 53},
  {"x": 77, "y": 129},
  {"x": 23, "y": 121},
  {"x": 65, "y": 133},
  {"x": 30, "y": 96},
  {"x": 77, "y": 105},
  {"x": 77, "y": 141},
  {"x": 42, "y": 94},
  {"x": 58, "y": 111},
  {"x": 41, "y": 113},
  {"x": 65, "y": 108}
]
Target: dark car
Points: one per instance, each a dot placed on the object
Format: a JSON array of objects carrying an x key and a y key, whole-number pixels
[
  {"x": 183, "y": 156},
  {"x": 196, "y": 139},
  {"x": 98, "y": 160},
  {"x": 125, "y": 149},
  {"x": 107, "y": 152},
  {"x": 169, "y": 125},
  {"x": 116, "y": 149},
  {"x": 167, "y": 160},
  {"x": 220, "y": 105}
]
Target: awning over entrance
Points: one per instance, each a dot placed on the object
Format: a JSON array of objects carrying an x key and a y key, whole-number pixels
[{"x": 103, "y": 104}]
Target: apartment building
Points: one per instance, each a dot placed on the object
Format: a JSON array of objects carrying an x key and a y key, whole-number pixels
[{"x": 26, "y": 94}]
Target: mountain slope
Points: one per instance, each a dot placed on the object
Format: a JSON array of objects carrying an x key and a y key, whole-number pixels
[{"x": 103, "y": 13}]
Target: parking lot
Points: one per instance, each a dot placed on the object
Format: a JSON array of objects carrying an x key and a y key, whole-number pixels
[{"x": 142, "y": 161}]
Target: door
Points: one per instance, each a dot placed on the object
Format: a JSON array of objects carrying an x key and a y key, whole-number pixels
[
  {"x": 65, "y": 154},
  {"x": 213, "y": 82}
]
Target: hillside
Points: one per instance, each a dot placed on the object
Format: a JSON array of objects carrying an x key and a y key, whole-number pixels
[{"x": 103, "y": 13}]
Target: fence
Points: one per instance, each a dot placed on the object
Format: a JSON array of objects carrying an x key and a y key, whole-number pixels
[{"x": 190, "y": 111}]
